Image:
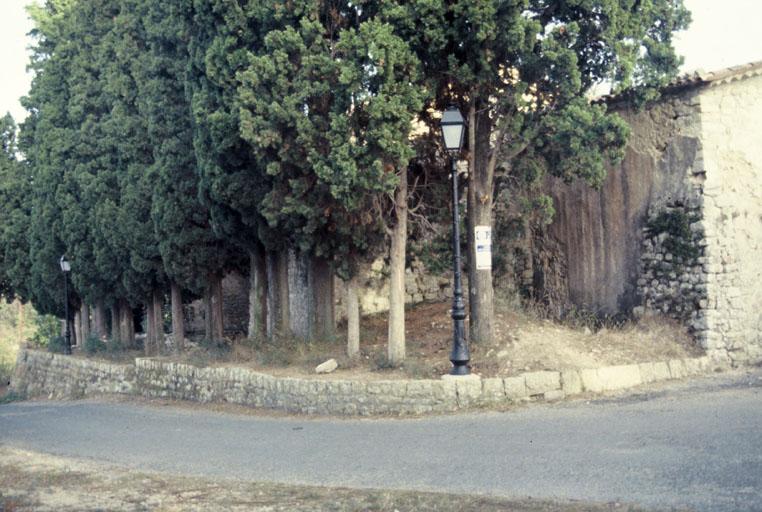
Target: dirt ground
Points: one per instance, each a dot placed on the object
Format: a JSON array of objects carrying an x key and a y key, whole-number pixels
[
  {"x": 39, "y": 482},
  {"x": 524, "y": 341}
]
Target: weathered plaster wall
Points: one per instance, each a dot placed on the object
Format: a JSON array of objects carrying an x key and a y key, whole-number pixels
[
  {"x": 730, "y": 123},
  {"x": 600, "y": 232}
]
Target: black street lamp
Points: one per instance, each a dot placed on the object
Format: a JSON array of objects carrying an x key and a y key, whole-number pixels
[
  {"x": 453, "y": 127},
  {"x": 66, "y": 268}
]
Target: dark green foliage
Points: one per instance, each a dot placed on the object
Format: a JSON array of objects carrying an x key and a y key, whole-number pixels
[
  {"x": 47, "y": 327},
  {"x": 167, "y": 138},
  {"x": 188, "y": 245},
  {"x": 57, "y": 345},
  {"x": 231, "y": 184},
  {"x": 93, "y": 345},
  {"x": 680, "y": 240},
  {"x": 15, "y": 190},
  {"x": 327, "y": 103}
]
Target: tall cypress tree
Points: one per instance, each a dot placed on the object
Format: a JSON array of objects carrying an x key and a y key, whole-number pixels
[
  {"x": 187, "y": 242},
  {"x": 327, "y": 105},
  {"x": 15, "y": 199},
  {"x": 231, "y": 184},
  {"x": 519, "y": 71},
  {"x": 46, "y": 142}
]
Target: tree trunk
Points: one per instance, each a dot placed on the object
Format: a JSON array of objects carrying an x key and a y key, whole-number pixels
[
  {"x": 396, "y": 333},
  {"x": 480, "y": 186},
  {"x": 85, "y": 319},
  {"x": 99, "y": 318},
  {"x": 178, "y": 320},
  {"x": 353, "y": 318},
  {"x": 157, "y": 301},
  {"x": 282, "y": 290},
  {"x": 77, "y": 338},
  {"x": 126, "y": 324},
  {"x": 149, "y": 346},
  {"x": 301, "y": 303},
  {"x": 258, "y": 292},
  {"x": 273, "y": 294},
  {"x": 277, "y": 293},
  {"x": 325, "y": 315},
  {"x": 208, "y": 334},
  {"x": 217, "y": 316},
  {"x": 115, "y": 320}
]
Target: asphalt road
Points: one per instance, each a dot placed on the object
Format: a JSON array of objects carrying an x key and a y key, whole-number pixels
[{"x": 696, "y": 445}]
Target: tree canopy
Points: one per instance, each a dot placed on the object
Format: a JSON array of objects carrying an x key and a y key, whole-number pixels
[{"x": 168, "y": 139}]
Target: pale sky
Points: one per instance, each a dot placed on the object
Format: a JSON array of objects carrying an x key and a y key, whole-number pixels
[{"x": 723, "y": 33}]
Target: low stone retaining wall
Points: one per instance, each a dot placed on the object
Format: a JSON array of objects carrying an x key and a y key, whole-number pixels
[
  {"x": 43, "y": 374},
  {"x": 57, "y": 376}
]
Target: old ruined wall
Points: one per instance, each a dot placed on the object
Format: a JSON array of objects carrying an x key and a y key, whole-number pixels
[
  {"x": 420, "y": 286},
  {"x": 600, "y": 233},
  {"x": 677, "y": 227},
  {"x": 235, "y": 308},
  {"x": 732, "y": 217}
]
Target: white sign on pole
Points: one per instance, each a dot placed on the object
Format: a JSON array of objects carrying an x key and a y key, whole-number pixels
[{"x": 483, "y": 239}]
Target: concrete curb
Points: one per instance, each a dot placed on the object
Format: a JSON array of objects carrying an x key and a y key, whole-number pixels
[{"x": 57, "y": 376}]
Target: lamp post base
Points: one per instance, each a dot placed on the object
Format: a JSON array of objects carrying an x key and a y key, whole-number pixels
[{"x": 459, "y": 369}]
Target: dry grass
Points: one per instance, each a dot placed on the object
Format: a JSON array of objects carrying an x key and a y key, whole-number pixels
[
  {"x": 525, "y": 340},
  {"x": 34, "y": 481}
]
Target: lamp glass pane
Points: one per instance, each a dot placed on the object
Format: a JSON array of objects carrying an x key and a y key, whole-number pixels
[
  {"x": 452, "y": 135},
  {"x": 65, "y": 266}
]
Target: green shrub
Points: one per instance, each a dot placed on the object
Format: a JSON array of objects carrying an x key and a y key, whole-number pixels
[
  {"x": 677, "y": 225},
  {"x": 57, "y": 345},
  {"x": 6, "y": 370},
  {"x": 93, "y": 345},
  {"x": 11, "y": 396},
  {"x": 48, "y": 327},
  {"x": 114, "y": 346}
]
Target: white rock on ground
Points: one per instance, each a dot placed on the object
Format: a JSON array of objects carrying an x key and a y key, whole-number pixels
[{"x": 327, "y": 367}]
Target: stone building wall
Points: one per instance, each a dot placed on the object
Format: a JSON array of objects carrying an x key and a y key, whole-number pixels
[
  {"x": 732, "y": 218},
  {"x": 600, "y": 232},
  {"x": 677, "y": 227}
]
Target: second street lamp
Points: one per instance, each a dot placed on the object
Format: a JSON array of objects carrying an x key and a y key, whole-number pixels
[
  {"x": 65, "y": 269},
  {"x": 453, "y": 127}
]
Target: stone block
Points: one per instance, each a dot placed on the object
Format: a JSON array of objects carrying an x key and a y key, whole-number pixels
[
  {"x": 619, "y": 377},
  {"x": 467, "y": 387},
  {"x": 692, "y": 366},
  {"x": 445, "y": 393},
  {"x": 647, "y": 373},
  {"x": 677, "y": 369},
  {"x": 571, "y": 382},
  {"x": 541, "y": 382},
  {"x": 590, "y": 380},
  {"x": 515, "y": 387},
  {"x": 419, "y": 388},
  {"x": 705, "y": 364},
  {"x": 553, "y": 396},
  {"x": 661, "y": 371},
  {"x": 493, "y": 390}
]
